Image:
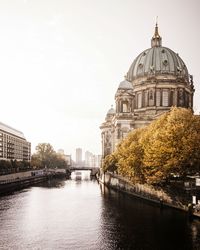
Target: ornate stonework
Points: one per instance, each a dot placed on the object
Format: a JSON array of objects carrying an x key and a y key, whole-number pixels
[{"x": 157, "y": 80}]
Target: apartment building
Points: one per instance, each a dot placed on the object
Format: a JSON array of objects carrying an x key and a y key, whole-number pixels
[{"x": 13, "y": 144}]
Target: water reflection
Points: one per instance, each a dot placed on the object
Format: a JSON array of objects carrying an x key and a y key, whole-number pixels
[
  {"x": 81, "y": 175},
  {"x": 80, "y": 214},
  {"x": 129, "y": 223}
]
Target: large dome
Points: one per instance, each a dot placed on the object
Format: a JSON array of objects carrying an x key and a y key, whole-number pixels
[{"x": 157, "y": 60}]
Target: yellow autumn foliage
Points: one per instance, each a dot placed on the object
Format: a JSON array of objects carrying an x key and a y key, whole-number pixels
[{"x": 170, "y": 144}]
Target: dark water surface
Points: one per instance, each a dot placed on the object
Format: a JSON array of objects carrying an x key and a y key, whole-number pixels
[{"x": 81, "y": 214}]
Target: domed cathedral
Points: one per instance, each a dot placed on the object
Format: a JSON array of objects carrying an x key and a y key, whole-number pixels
[{"x": 157, "y": 80}]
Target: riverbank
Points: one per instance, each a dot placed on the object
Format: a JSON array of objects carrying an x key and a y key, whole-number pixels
[
  {"x": 13, "y": 182},
  {"x": 156, "y": 195}
]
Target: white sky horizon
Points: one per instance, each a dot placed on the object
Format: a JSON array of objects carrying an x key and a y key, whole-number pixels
[{"x": 62, "y": 61}]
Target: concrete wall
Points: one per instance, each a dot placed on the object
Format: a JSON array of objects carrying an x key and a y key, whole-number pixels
[
  {"x": 15, "y": 176},
  {"x": 157, "y": 195}
]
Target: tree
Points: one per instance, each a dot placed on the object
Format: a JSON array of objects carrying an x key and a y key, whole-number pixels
[
  {"x": 169, "y": 145},
  {"x": 110, "y": 163},
  {"x": 130, "y": 155},
  {"x": 44, "y": 154}
]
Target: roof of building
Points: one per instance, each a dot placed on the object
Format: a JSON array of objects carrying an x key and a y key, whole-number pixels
[
  {"x": 157, "y": 60},
  {"x": 11, "y": 130},
  {"x": 111, "y": 111},
  {"x": 125, "y": 85}
]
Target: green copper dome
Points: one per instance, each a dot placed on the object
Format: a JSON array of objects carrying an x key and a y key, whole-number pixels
[{"x": 157, "y": 60}]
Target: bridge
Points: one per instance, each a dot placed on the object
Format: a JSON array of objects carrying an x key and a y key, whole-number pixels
[{"x": 93, "y": 170}]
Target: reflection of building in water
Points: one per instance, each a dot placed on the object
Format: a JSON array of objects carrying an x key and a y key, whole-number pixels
[{"x": 157, "y": 80}]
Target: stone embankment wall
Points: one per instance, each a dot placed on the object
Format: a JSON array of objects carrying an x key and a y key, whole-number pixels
[
  {"x": 15, "y": 176},
  {"x": 8, "y": 186},
  {"x": 150, "y": 193}
]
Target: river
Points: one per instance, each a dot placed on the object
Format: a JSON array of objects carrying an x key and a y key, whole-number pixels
[{"x": 81, "y": 214}]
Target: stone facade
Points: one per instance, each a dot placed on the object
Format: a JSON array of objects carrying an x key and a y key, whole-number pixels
[{"x": 157, "y": 80}]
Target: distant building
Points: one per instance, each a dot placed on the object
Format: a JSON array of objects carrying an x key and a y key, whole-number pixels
[
  {"x": 65, "y": 157},
  {"x": 13, "y": 144},
  {"x": 98, "y": 161},
  {"x": 91, "y": 160},
  {"x": 68, "y": 159},
  {"x": 61, "y": 151},
  {"x": 157, "y": 80},
  {"x": 78, "y": 155},
  {"x": 88, "y": 159}
]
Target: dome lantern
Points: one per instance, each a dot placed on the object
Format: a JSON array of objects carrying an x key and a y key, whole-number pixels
[
  {"x": 157, "y": 61},
  {"x": 156, "y": 40}
]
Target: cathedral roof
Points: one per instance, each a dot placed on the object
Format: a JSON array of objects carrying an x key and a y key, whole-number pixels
[
  {"x": 125, "y": 85},
  {"x": 111, "y": 111},
  {"x": 157, "y": 60}
]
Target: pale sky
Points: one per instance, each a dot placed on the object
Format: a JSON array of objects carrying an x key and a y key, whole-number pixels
[{"x": 61, "y": 61}]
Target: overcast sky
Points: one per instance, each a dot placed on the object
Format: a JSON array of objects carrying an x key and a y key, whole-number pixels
[{"x": 61, "y": 61}]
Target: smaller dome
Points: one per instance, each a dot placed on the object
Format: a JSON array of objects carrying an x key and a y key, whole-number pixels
[
  {"x": 125, "y": 85},
  {"x": 111, "y": 111}
]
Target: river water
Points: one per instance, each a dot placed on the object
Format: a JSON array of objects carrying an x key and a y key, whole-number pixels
[{"x": 81, "y": 214}]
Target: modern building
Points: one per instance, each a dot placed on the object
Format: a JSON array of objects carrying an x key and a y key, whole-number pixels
[
  {"x": 13, "y": 144},
  {"x": 89, "y": 159},
  {"x": 156, "y": 80},
  {"x": 78, "y": 155},
  {"x": 97, "y": 161}
]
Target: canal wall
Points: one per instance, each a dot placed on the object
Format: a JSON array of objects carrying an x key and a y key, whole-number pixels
[
  {"x": 15, "y": 176},
  {"x": 8, "y": 186},
  {"x": 147, "y": 192},
  {"x": 17, "y": 181}
]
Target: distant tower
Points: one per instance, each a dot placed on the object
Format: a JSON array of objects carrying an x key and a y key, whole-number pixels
[{"x": 79, "y": 155}]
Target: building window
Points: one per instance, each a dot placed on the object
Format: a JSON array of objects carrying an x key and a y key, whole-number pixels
[
  {"x": 158, "y": 98},
  {"x": 124, "y": 107},
  {"x": 151, "y": 95},
  {"x": 139, "y": 100},
  {"x": 181, "y": 98},
  {"x": 165, "y": 98},
  {"x": 146, "y": 99}
]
